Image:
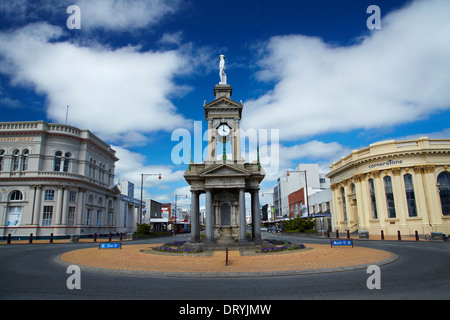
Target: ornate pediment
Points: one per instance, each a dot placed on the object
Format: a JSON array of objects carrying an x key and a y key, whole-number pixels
[
  {"x": 224, "y": 170},
  {"x": 223, "y": 106}
]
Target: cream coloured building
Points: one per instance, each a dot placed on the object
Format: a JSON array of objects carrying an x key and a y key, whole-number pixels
[
  {"x": 55, "y": 179},
  {"x": 393, "y": 186}
]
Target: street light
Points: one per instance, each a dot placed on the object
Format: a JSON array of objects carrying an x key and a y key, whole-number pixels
[
  {"x": 306, "y": 186},
  {"x": 145, "y": 175}
]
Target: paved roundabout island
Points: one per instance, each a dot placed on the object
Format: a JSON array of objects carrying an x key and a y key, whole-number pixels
[{"x": 142, "y": 260}]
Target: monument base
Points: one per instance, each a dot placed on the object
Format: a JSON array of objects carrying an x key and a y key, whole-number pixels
[{"x": 222, "y": 244}]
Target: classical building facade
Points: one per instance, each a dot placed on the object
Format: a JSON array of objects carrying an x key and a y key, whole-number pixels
[
  {"x": 393, "y": 186},
  {"x": 55, "y": 179}
]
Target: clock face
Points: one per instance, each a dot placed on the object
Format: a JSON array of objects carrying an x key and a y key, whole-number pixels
[{"x": 223, "y": 130}]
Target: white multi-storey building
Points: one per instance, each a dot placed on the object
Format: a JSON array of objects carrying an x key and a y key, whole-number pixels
[
  {"x": 55, "y": 180},
  {"x": 295, "y": 180}
]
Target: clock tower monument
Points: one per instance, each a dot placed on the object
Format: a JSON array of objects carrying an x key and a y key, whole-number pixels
[{"x": 225, "y": 179}]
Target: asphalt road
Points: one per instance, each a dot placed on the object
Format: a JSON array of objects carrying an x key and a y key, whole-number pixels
[{"x": 421, "y": 272}]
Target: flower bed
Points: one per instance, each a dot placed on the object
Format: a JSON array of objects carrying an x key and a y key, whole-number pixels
[
  {"x": 287, "y": 245},
  {"x": 168, "y": 247}
]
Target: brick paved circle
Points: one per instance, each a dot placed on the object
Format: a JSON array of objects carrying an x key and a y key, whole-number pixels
[{"x": 319, "y": 258}]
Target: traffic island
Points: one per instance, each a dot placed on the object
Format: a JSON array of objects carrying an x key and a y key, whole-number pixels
[{"x": 132, "y": 259}]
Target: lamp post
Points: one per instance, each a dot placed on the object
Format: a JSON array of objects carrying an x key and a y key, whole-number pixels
[
  {"x": 306, "y": 186},
  {"x": 145, "y": 175},
  {"x": 176, "y": 208}
]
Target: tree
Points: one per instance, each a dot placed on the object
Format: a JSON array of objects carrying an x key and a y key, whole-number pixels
[{"x": 298, "y": 224}]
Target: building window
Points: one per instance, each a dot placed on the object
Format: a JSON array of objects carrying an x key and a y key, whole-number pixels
[
  {"x": 49, "y": 195},
  {"x": 444, "y": 192},
  {"x": 389, "y": 196},
  {"x": 2, "y": 159},
  {"x": 57, "y": 161},
  {"x": 72, "y": 196},
  {"x": 71, "y": 216},
  {"x": 14, "y": 216},
  {"x": 373, "y": 199},
  {"x": 25, "y": 155},
  {"x": 47, "y": 216},
  {"x": 15, "y": 160},
  {"x": 66, "y": 162},
  {"x": 16, "y": 196},
  {"x": 410, "y": 197},
  {"x": 99, "y": 218},
  {"x": 88, "y": 216},
  {"x": 344, "y": 205}
]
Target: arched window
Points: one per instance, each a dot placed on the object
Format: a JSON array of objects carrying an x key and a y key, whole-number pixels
[
  {"x": 410, "y": 197},
  {"x": 444, "y": 192},
  {"x": 57, "y": 162},
  {"x": 25, "y": 155},
  {"x": 2, "y": 159},
  {"x": 373, "y": 199},
  {"x": 389, "y": 196},
  {"x": 15, "y": 160},
  {"x": 344, "y": 205},
  {"x": 66, "y": 162},
  {"x": 16, "y": 196}
]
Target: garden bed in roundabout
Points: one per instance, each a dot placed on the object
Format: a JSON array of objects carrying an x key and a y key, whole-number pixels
[{"x": 272, "y": 246}]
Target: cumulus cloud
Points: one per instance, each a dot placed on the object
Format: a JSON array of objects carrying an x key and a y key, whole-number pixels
[
  {"x": 109, "y": 91},
  {"x": 109, "y": 15},
  {"x": 132, "y": 165},
  {"x": 124, "y": 15},
  {"x": 391, "y": 76},
  {"x": 277, "y": 158}
]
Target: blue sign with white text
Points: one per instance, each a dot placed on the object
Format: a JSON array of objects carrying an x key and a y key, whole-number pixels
[
  {"x": 339, "y": 243},
  {"x": 115, "y": 245}
]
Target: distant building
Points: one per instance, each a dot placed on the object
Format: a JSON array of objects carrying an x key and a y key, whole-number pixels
[
  {"x": 129, "y": 209},
  {"x": 292, "y": 183},
  {"x": 55, "y": 179},
  {"x": 393, "y": 186}
]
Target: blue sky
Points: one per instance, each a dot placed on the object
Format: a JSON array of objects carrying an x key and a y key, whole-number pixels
[{"x": 309, "y": 69}]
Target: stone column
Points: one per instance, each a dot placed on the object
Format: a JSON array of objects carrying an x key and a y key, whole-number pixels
[
  {"x": 195, "y": 226},
  {"x": 37, "y": 206},
  {"x": 59, "y": 202},
  {"x": 209, "y": 216},
  {"x": 242, "y": 220},
  {"x": 80, "y": 207},
  {"x": 256, "y": 215},
  {"x": 65, "y": 208}
]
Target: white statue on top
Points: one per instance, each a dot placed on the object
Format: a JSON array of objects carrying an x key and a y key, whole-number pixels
[{"x": 222, "y": 74}]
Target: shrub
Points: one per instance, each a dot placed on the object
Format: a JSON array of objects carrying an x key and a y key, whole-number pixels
[
  {"x": 298, "y": 224},
  {"x": 143, "y": 229}
]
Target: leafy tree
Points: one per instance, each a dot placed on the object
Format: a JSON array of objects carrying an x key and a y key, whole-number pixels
[
  {"x": 298, "y": 224},
  {"x": 142, "y": 229}
]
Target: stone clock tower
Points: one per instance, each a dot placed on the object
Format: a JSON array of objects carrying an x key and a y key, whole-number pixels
[{"x": 225, "y": 179}]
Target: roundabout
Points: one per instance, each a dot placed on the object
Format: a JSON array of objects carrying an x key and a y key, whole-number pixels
[{"x": 143, "y": 260}]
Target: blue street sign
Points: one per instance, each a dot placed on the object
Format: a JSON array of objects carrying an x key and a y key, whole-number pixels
[
  {"x": 341, "y": 243},
  {"x": 113, "y": 245}
]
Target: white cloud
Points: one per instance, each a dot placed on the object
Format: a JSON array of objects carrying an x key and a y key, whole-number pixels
[
  {"x": 124, "y": 15},
  {"x": 277, "y": 158},
  {"x": 109, "y": 91},
  {"x": 131, "y": 165},
  {"x": 109, "y": 15},
  {"x": 394, "y": 75}
]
